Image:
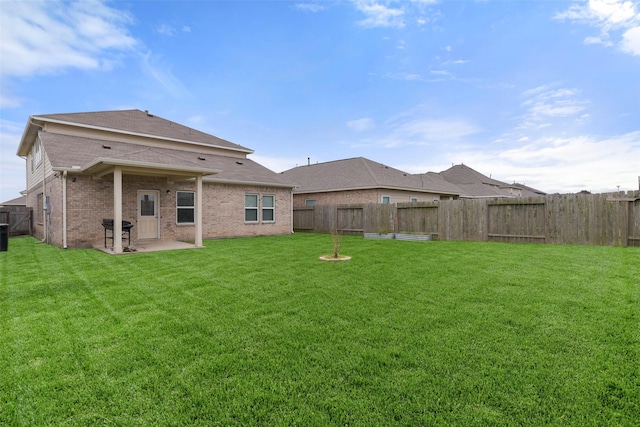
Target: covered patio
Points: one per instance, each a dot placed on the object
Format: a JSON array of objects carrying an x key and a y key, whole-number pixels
[{"x": 148, "y": 162}]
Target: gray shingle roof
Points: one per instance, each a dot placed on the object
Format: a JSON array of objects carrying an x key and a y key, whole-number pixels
[
  {"x": 142, "y": 123},
  {"x": 361, "y": 173},
  {"x": 476, "y": 184},
  {"x": 19, "y": 201},
  {"x": 65, "y": 152}
]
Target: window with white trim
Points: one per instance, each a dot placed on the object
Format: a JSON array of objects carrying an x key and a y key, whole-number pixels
[
  {"x": 414, "y": 200},
  {"x": 251, "y": 207},
  {"x": 185, "y": 207},
  {"x": 385, "y": 200},
  {"x": 310, "y": 202},
  {"x": 259, "y": 208},
  {"x": 268, "y": 208},
  {"x": 36, "y": 155}
]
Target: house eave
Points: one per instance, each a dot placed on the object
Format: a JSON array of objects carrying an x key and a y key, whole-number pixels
[
  {"x": 29, "y": 134},
  {"x": 102, "y": 166}
]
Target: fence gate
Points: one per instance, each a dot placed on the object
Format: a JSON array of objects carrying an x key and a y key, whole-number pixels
[{"x": 18, "y": 218}]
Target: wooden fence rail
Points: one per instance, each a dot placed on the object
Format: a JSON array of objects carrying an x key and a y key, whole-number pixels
[{"x": 582, "y": 219}]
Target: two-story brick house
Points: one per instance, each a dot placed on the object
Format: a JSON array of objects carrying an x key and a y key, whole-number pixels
[{"x": 170, "y": 181}]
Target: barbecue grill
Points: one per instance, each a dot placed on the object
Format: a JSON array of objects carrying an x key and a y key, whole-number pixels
[{"x": 108, "y": 226}]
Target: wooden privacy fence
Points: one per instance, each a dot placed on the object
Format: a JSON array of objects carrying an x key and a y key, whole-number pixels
[
  {"x": 18, "y": 218},
  {"x": 582, "y": 219}
]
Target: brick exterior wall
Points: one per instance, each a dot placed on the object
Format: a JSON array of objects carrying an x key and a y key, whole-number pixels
[
  {"x": 53, "y": 190},
  {"x": 362, "y": 196},
  {"x": 90, "y": 200}
]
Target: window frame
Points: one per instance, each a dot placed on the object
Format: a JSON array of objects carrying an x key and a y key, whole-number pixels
[
  {"x": 258, "y": 211},
  {"x": 255, "y": 208},
  {"x": 388, "y": 202},
  {"x": 271, "y": 208},
  {"x": 309, "y": 202},
  {"x": 36, "y": 155},
  {"x": 185, "y": 207}
]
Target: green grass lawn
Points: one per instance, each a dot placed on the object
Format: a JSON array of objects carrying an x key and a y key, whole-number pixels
[{"x": 258, "y": 331}]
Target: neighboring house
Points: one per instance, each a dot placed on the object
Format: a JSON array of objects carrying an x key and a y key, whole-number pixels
[
  {"x": 476, "y": 185},
  {"x": 360, "y": 180},
  {"x": 171, "y": 181}
]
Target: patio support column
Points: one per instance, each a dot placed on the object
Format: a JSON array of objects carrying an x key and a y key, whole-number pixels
[
  {"x": 117, "y": 210},
  {"x": 198, "y": 239}
]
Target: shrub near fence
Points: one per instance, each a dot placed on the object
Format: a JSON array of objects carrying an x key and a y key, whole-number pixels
[{"x": 582, "y": 219}]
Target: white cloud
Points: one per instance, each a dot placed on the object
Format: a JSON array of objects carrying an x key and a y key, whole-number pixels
[
  {"x": 571, "y": 164},
  {"x": 162, "y": 73},
  {"x": 612, "y": 11},
  {"x": 412, "y": 128},
  {"x": 545, "y": 103},
  {"x": 610, "y": 17},
  {"x": 378, "y": 15},
  {"x": 46, "y": 37},
  {"x": 166, "y": 30},
  {"x": 606, "y": 12},
  {"x": 597, "y": 40},
  {"x": 361, "y": 125},
  {"x": 169, "y": 30},
  {"x": 631, "y": 41},
  {"x": 310, "y": 7},
  {"x": 578, "y": 163}
]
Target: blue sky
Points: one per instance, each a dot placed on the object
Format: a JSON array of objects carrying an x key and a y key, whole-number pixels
[{"x": 545, "y": 93}]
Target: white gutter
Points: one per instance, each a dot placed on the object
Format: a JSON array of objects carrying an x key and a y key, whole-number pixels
[
  {"x": 45, "y": 227},
  {"x": 64, "y": 210}
]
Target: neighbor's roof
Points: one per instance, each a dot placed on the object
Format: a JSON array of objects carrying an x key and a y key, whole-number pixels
[
  {"x": 90, "y": 155},
  {"x": 476, "y": 184},
  {"x": 20, "y": 201},
  {"x": 133, "y": 122},
  {"x": 360, "y": 173}
]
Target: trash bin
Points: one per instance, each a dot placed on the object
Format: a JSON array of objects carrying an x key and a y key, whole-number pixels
[{"x": 4, "y": 237}]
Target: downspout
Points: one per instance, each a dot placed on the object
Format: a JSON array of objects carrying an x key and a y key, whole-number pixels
[
  {"x": 291, "y": 211},
  {"x": 64, "y": 210},
  {"x": 45, "y": 217}
]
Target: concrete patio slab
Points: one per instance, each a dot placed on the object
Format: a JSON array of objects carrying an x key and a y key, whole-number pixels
[{"x": 150, "y": 246}]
